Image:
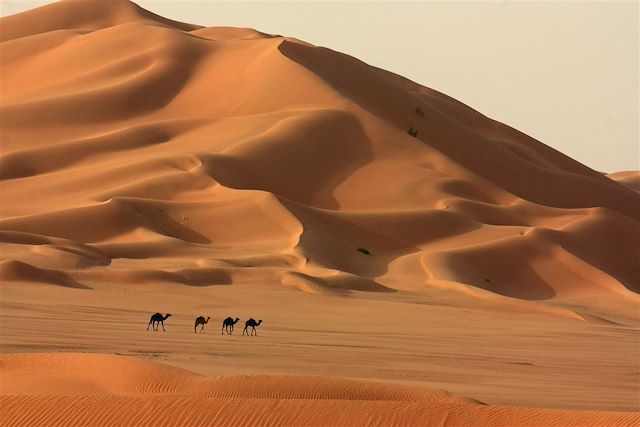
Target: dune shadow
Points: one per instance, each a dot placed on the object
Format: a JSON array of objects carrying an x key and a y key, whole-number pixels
[
  {"x": 17, "y": 271},
  {"x": 296, "y": 159}
]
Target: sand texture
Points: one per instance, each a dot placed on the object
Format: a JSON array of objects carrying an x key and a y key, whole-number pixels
[
  {"x": 149, "y": 165},
  {"x": 100, "y": 390}
]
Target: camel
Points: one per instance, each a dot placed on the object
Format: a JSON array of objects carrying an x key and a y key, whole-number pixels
[
  {"x": 201, "y": 321},
  {"x": 227, "y": 325},
  {"x": 251, "y": 323},
  {"x": 157, "y": 318}
]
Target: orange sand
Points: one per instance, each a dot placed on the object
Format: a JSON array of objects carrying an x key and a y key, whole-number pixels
[
  {"x": 99, "y": 390},
  {"x": 149, "y": 165}
]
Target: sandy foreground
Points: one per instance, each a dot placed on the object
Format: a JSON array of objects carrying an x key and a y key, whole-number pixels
[
  {"x": 463, "y": 275},
  {"x": 83, "y": 389},
  {"x": 302, "y": 367}
]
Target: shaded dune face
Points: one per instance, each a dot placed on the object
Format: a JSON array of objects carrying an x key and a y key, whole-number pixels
[
  {"x": 136, "y": 147},
  {"x": 630, "y": 179}
]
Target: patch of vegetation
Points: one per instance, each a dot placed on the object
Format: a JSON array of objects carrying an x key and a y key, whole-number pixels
[
  {"x": 419, "y": 111},
  {"x": 413, "y": 132},
  {"x": 364, "y": 251}
]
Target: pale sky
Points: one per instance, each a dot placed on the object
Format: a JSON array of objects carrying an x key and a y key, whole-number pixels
[{"x": 564, "y": 72}]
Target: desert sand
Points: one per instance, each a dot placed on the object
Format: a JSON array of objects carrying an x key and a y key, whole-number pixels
[
  {"x": 630, "y": 179},
  {"x": 467, "y": 275},
  {"x": 150, "y": 394}
]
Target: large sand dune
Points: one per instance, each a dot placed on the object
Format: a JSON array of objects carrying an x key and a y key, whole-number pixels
[
  {"x": 121, "y": 127},
  {"x": 143, "y": 159}
]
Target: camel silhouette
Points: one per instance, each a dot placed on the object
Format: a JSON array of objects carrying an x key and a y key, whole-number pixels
[
  {"x": 201, "y": 321},
  {"x": 227, "y": 325},
  {"x": 157, "y": 318},
  {"x": 251, "y": 323}
]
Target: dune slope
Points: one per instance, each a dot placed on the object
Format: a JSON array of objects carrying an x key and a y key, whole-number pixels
[{"x": 160, "y": 145}]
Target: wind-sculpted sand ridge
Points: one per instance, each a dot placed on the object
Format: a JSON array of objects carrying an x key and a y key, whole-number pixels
[{"x": 89, "y": 389}]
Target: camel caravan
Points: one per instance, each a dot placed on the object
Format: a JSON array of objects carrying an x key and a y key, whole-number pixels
[{"x": 227, "y": 324}]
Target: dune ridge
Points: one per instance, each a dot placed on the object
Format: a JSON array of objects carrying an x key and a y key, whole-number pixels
[{"x": 91, "y": 389}]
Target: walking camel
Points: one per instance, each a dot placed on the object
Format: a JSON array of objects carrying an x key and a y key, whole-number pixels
[
  {"x": 251, "y": 323},
  {"x": 201, "y": 321},
  {"x": 157, "y": 318},
  {"x": 227, "y": 325}
]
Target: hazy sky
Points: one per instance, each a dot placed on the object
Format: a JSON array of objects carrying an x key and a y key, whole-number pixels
[{"x": 564, "y": 72}]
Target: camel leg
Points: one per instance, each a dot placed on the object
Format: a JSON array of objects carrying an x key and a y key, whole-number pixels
[
  {"x": 162, "y": 323},
  {"x": 149, "y": 324},
  {"x": 222, "y": 330}
]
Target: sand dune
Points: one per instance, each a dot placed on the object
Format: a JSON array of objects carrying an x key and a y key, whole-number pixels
[
  {"x": 631, "y": 179},
  {"x": 83, "y": 389},
  {"x": 146, "y": 160},
  {"x": 164, "y": 150}
]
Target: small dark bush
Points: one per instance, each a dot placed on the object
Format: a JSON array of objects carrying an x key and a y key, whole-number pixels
[
  {"x": 413, "y": 132},
  {"x": 419, "y": 111},
  {"x": 364, "y": 251}
]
